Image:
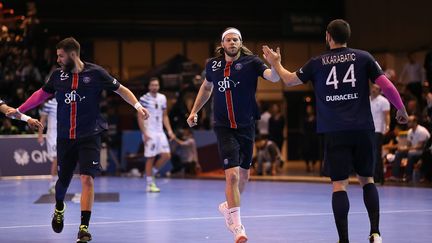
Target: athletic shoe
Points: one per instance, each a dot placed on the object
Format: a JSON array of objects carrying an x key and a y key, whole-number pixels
[
  {"x": 152, "y": 188},
  {"x": 239, "y": 234},
  {"x": 57, "y": 220},
  {"x": 375, "y": 238},
  {"x": 83, "y": 234},
  {"x": 51, "y": 189},
  {"x": 223, "y": 209}
]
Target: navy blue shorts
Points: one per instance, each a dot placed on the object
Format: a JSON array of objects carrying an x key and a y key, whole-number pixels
[
  {"x": 349, "y": 151},
  {"x": 236, "y": 146},
  {"x": 82, "y": 151}
]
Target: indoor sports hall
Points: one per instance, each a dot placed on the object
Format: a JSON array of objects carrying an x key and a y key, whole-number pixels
[{"x": 196, "y": 121}]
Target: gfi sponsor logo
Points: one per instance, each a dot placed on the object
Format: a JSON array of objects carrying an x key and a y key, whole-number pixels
[
  {"x": 227, "y": 83},
  {"x": 73, "y": 97},
  {"x": 23, "y": 157}
]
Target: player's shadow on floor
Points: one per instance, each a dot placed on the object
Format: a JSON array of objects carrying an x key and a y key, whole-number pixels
[{"x": 99, "y": 197}]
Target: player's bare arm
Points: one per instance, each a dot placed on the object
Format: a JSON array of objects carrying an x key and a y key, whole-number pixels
[
  {"x": 203, "y": 96},
  {"x": 3, "y": 108},
  {"x": 167, "y": 125},
  {"x": 274, "y": 58},
  {"x": 142, "y": 127},
  {"x": 14, "y": 114},
  {"x": 43, "y": 121},
  {"x": 130, "y": 98},
  {"x": 271, "y": 75}
]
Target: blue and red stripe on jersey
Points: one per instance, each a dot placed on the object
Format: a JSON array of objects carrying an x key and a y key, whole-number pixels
[
  {"x": 228, "y": 98},
  {"x": 73, "y": 108}
]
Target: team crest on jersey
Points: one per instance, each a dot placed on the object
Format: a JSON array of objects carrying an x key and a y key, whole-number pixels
[
  {"x": 238, "y": 66},
  {"x": 86, "y": 80}
]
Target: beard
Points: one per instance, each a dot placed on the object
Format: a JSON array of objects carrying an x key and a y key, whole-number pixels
[
  {"x": 231, "y": 54},
  {"x": 68, "y": 66}
]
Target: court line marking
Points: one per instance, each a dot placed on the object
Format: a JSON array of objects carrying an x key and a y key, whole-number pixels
[
  {"x": 10, "y": 184},
  {"x": 214, "y": 218}
]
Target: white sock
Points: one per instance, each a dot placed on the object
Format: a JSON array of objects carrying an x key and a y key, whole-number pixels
[
  {"x": 149, "y": 179},
  {"x": 155, "y": 171},
  {"x": 54, "y": 178},
  {"x": 235, "y": 215}
]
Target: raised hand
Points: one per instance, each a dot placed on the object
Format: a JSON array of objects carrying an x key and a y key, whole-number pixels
[{"x": 271, "y": 56}]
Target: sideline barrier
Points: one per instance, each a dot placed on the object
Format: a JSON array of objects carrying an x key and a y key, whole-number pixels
[{"x": 22, "y": 155}]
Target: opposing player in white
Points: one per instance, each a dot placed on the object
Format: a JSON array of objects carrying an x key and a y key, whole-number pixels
[
  {"x": 156, "y": 147},
  {"x": 48, "y": 117}
]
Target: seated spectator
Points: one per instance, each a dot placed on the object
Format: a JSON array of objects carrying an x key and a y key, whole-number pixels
[
  {"x": 186, "y": 151},
  {"x": 7, "y": 128},
  {"x": 426, "y": 164},
  {"x": 268, "y": 159},
  {"x": 417, "y": 137}
]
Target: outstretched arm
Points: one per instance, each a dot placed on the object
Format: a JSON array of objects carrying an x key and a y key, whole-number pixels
[
  {"x": 271, "y": 75},
  {"x": 274, "y": 58},
  {"x": 130, "y": 98},
  {"x": 393, "y": 96},
  {"x": 14, "y": 114},
  {"x": 34, "y": 100},
  {"x": 3, "y": 108}
]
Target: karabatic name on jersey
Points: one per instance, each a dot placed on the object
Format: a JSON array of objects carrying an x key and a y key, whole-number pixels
[
  {"x": 341, "y": 83},
  {"x": 235, "y": 85},
  {"x": 78, "y": 96}
]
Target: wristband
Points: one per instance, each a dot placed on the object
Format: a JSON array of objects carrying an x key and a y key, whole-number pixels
[
  {"x": 24, "y": 118},
  {"x": 137, "y": 105}
]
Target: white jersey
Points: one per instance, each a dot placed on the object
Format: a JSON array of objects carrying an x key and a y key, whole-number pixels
[
  {"x": 379, "y": 106},
  {"x": 156, "y": 107},
  {"x": 420, "y": 134},
  {"x": 50, "y": 109}
]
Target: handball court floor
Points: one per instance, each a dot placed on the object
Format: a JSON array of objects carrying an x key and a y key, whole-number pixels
[{"x": 186, "y": 212}]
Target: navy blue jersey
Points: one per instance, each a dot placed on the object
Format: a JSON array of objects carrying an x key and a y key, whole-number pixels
[
  {"x": 235, "y": 85},
  {"x": 341, "y": 82},
  {"x": 78, "y": 96}
]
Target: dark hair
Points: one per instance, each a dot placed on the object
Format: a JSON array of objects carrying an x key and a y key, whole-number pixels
[
  {"x": 339, "y": 31},
  {"x": 69, "y": 44},
  {"x": 260, "y": 137},
  {"x": 152, "y": 79}
]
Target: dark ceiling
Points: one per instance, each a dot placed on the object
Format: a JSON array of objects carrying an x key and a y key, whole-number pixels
[{"x": 184, "y": 19}]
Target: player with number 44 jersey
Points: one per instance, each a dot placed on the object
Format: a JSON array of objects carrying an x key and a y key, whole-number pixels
[{"x": 340, "y": 77}]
